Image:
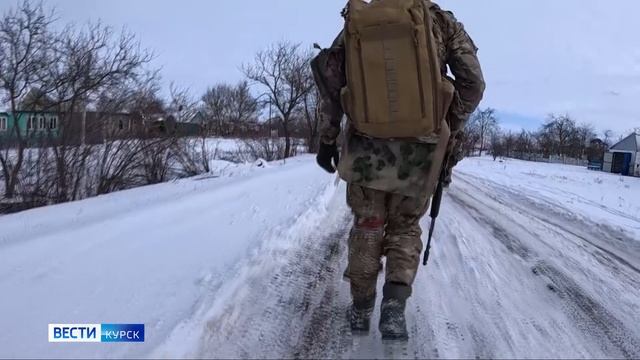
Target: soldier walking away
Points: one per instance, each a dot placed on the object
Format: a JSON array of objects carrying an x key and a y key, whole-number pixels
[{"x": 387, "y": 72}]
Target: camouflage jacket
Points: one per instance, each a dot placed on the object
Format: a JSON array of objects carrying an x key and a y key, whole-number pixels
[{"x": 400, "y": 166}]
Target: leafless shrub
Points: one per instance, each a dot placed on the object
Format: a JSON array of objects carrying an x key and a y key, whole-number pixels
[
  {"x": 189, "y": 160},
  {"x": 37, "y": 175},
  {"x": 156, "y": 159},
  {"x": 268, "y": 149},
  {"x": 118, "y": 165}
]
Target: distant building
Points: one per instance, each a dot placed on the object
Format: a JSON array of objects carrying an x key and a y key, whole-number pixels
[
  {"x": 197, "y": 118},
  {"x": 624, "y": 157},
  {"x": 30, "y": 124},
  {"x": 37, "y": 127}
]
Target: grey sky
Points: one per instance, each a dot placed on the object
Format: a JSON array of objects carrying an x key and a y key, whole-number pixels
[{"x": 539, "y": 56}]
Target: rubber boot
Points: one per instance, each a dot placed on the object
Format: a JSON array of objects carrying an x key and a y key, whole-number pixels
[
  {"x": 360, "y": 315},
  {"x": 393, "y": 325}
]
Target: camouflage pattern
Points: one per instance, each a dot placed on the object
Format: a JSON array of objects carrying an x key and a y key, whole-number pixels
[
  {"x": 407, "y": 174},
  {"x": 372, "y": 162},
  {"x": 329, "y": 121},
  {"x": 388, "y": 225}
]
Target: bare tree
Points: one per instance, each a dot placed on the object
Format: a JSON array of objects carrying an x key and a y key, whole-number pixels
[
  {"x": 559, "y": 130},
  {"x": 510, "y": 141},
  {"x": 89, "y": 61},
  {"x": 546, "y": 142},
  {"x": 469, "y": 137},
  {"x": 244, "y": 107},
  {"x": 217, "y": 108},
  {"x": 497, "y": 145},
  {"x": 580, "y": 139},
  {"x": 230, "y": 110},
  {"x": 485, "y": 124},
  {"x": 139, "y": 97},
  {"x": 524, "y": 144},
  {"x": 282, "y": 70},
  {"x": 24, "y": 41},
  {"x": 181, "y": 104},
  {"x": 143, "y": 103},
  {"x": 194, "y": 155}
]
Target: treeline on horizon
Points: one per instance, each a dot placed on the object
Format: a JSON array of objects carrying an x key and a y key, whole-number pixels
[{"x": 559, "y": 136}]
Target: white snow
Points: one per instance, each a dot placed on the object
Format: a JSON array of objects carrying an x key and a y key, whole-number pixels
[
  {"x": 223, "y": 144},
  {"x": 595, "y": 195},
  {"x": 529, "y": 260},
  {"x": 534, "y": 260},
  {"x": 147, "y": 255}
]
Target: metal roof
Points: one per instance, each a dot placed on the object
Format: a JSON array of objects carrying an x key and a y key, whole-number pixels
[{"x": 630, "y": 143}]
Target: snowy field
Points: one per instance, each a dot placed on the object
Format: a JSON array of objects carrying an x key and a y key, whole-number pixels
[{"x": 530, "y": 260}]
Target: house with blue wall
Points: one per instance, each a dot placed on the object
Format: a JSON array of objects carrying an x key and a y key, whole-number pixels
[
  {"x": 74, "y": 128},
  {"x": 30, "y": 124},
  {"x": 89, "y": 127},
  {"x": 624, "y": 157}
]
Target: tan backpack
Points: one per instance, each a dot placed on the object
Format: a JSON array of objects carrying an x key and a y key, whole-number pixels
[{"x": 394, "y": 83}]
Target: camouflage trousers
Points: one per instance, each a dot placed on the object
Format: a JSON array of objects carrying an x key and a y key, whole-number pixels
[{"x": 387, "y": 225}]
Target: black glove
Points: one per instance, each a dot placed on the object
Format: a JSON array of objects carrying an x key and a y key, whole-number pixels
[{"x": 326, "y": 153}]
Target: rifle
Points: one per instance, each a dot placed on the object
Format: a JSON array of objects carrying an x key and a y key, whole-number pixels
[{"x": 435, "y": 207}]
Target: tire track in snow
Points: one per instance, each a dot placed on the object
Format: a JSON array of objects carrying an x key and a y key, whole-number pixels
[
  {"x": 613, "y": 242},
  {"x": 296, "y": 312},
  {"x": 590, "y": 316},
  {"x": 326, "y": 323}
]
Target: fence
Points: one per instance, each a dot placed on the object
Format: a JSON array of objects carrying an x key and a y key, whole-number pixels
[{"x": 553, "y": 159}]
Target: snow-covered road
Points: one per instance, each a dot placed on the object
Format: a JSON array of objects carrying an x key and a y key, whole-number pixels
[{"x": 529, "y": 260}]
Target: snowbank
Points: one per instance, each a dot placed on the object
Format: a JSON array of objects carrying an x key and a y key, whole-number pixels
[{"x": 149, "y": 255}]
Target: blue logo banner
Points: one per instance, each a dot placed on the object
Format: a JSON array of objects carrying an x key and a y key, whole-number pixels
[{"x": 122, "y": 333}]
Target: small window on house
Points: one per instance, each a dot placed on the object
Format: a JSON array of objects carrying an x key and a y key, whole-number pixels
[
  {"x": 120, "y": 124},
  {"x": 31, "y": 122},
  {"x": 41, "y": 123},
  {"x": 53, "y": 123},
  {"x": 3, "y": 124}
]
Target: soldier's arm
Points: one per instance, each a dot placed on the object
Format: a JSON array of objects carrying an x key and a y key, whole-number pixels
[
  {"x": 330, "y": 113},
  {"x": 464, "y": 64}
]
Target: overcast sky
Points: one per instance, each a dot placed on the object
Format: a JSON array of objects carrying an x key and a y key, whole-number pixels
[{"x": 581, "y": 57}]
